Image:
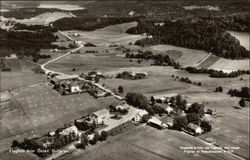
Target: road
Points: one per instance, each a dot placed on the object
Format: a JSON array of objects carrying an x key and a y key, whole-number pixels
[{"x": 74, "y": 50}]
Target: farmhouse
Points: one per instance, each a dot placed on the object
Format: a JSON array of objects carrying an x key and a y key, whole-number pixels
[
  {"x": 163, "y": 97},
  {"x": 101, "y": 115},
  {"x": 155, "y": 122},
  {"x": 139, "y": 115},
  {"x": 131, "y": 13},
  {"x": 63, "y": 77},
  {"x": 211, "y": 111},
  {"x": 97, "y": 93},
  {"x": 159, "y": 24},
  {"x": 69, "y": 130},
  {"x": 12, "y": 56},
  {"x": 194, "y": 129},
  {"x": 169, "y": 109}
]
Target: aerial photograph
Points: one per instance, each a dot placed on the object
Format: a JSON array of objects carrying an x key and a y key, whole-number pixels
[{"x": 124, "y": 80}]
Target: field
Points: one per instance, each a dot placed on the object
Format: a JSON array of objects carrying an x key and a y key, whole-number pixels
[
  {"x": 42, "y": 19},
  {"x": 189, "y": 57},
  {"x": 230, "y": 126},
  {"x": 37, "y": 109},
  {"x": 146, "y": 143},
  {"x": 114, "y": 34},
  {"x": 21, "y": 74},
  {"x": 88, "y": 62},
  {"x": 230, "y": 65}
]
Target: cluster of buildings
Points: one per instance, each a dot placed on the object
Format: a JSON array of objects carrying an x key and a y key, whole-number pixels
[
  {"x": 72, "y": 84},
  {"x": 67, "y": 84}
]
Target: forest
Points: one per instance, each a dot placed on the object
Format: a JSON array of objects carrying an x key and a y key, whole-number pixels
[
  {"x": 25, "y": 43},
  {"x": 89, "y": 23},
  {"x": 196, "y": 35}
]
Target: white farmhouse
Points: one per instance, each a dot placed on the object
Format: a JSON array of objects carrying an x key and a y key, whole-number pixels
[
  {"x": 101, "y": 115},
  {"x": 139, "y": 115},
  {"x": 69, "y": 130}
]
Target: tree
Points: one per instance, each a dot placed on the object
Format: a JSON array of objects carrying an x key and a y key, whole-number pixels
[
  {"x": 242, "y": 103},
  {"x": 120, "y": 89},
  {"x": 96, "y": 136},
  {"x": 145, "y": 118},
  {"x": 137, "y": 100},
  {"x": 103, "y": 136},
  {"x": 84, "y": 140},
  {"x": 180, "y": 122},
  {"x": 178, "y": 100},
  {"x": 15, "y": 143},
  {"x": 206, "y": 126},
  {"x": 193, "y": 118}
]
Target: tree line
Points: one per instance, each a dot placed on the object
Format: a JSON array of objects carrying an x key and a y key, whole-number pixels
[
  {"x": 197, "y": 35},
  {"x": 90, "y": 23},
  {"x": 215, "y": 73},
  {"x": 159, "y": 60}
]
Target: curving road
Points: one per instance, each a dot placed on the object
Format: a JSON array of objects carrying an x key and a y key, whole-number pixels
[
  {"x": 47, "y": 70},
  {"x": 80, "y": 46}
]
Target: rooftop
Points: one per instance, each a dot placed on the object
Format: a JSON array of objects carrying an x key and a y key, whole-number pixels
[
  {"x": 65, "y": 77},
  {"x": 101, "y": 112},
  {"x": 163, "y": 96},
  {"x": 142, "y": 112},
  {"x": 193, "y": 126}
]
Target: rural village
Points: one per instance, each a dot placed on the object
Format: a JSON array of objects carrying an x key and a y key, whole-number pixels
[{"x": 114, "y": 86}]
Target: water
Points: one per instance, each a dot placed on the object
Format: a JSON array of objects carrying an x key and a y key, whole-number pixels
[{"x": 243, "y": 37}]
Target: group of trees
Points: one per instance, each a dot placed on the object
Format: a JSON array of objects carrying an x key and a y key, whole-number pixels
[
  {"x": 84, "y": 141},
  {"x": 25, "y": 43},
  {"x": 140, "y": 101},
  {"x": 196, "y": 35},
  {"x": 194, "y": 115},
  {"x": 159, "y": 60},
  {"x": 243, "y": 93},
  {"x": 36, "y": 57},
  {"x": 56, "y": 142},
  {"x": 219, "y": 89},
  {"x": 130, "y": 76},
  {"x": 217, "y": 74},
  {"x": 186, "y": 80}
]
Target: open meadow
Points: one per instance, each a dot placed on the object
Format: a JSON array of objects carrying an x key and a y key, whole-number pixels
[
  {"x": 37, "y": 109},
  {"x": 21, "y": 74},
  {"x": 146, "y": 143}
]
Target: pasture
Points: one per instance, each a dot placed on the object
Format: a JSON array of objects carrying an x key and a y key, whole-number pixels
[
  {"x": 146, "y": 143},
  {"x": 114, "y": 34},
  {"x": 21, "y": 74},
  {"x": 37, "y": 109},
  {"x": 88, "y": 62},
  {"x": 230, "y": 126}
]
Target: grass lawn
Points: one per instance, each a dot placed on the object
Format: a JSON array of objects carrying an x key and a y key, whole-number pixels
[{"x": 37, "y": 109}]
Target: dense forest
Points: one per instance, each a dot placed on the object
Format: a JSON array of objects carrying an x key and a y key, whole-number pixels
[
  {"x": 25, "y": 43},
  {"x": 195, "y": 35},
  {"x": 89, "y": 23}
]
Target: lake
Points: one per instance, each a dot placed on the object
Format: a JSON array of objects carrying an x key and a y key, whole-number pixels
[{"x": 243, "y": 37}]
